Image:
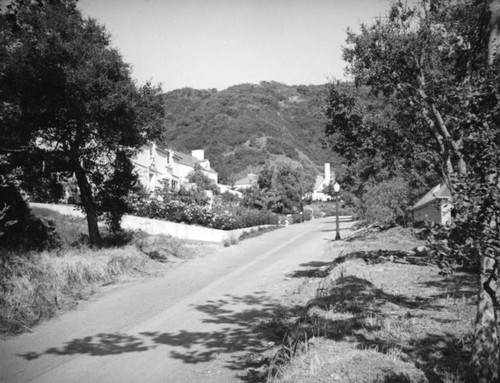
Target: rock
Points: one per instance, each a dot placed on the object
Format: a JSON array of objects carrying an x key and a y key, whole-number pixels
[{"x": 422, "y": 250}]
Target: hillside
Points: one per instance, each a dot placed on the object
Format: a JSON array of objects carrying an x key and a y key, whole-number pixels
[{"x": 246, "y": 126}]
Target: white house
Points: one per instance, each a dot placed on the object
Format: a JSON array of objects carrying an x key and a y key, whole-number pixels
[
  {"x": 435, "y": 206},
  {"x": 321, "y": 183},
  {"x": 154, "y": 164}
]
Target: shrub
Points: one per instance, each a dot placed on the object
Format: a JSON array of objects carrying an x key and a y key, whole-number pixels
[
  {"x": 307, "y": 214},
  {"x": 19, "y": 229},
  {"x": 387, "y": 202},
  {"x": 297, "y": 218},
  {"x": 223, "y": 216}
]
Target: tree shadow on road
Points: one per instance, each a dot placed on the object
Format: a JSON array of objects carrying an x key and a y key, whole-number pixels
[
  {"x": 97, "y": 345},
  {"x": 236, "y": 326}
]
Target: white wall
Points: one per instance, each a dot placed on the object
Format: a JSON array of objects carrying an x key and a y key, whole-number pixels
[
  {"x": 433, "y": 212},
  {"x": 181, "y": 230},
  {"x": 156, "y": 226}
]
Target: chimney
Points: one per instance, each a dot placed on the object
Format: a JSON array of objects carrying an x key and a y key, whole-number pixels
[
  {"x": 328, "y": 175},
  {"x": 198, "y": 154}
]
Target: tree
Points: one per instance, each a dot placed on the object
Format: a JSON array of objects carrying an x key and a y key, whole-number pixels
[
  {"x": 279, "y": 189},
  {"x": 439, "y": 61},
  {"x": 70, "y": 96},
  {"x": 112, "y": 197},
  {"x": 201, "y": 180},
  {"x": 377, "y": 140},
  {"x": 19, "y": 229}
]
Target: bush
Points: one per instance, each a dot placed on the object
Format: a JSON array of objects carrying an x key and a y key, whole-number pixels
[
  {"x": 387, "y": 202},
  {"x": 229, "y": 219},
  {"x": 19, "y": 229},
  {"x": 184, "y": 206},
  {"x": 307, "y": 214},
  {"x": 297, "y": 218}
]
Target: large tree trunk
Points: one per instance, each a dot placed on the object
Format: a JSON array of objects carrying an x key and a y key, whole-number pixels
[
  {"x": 494, "y": 30},
  {"x": 485, "y": 360},
  {"x": 88, "y": 205}
]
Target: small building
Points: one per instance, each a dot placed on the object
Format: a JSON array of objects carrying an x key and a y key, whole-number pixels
[
  {"x": 246, "y": 182},
  {"x": 227, "y": 189},
  {"x": 435, "y": 206},
  {"x": 321, "y": 183},
  {"x": 155, "y": 164}
]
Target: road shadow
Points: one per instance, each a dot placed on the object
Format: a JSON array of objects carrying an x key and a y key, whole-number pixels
[
  {"x": 97, "y": 345},
  {"x": 321, "y": 269},
  {"x": 245, "y": 324}
]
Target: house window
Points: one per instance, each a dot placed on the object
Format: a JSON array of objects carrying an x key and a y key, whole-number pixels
[{"x": 151, "y": 181}]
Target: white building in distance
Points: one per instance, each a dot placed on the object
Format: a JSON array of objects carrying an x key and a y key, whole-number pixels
[
  {"x": 321, "y": 183},
  {"x": 154, "y": 164}
]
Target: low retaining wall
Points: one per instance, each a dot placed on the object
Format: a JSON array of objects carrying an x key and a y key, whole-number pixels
[
  {"x": 63, "y": 209},
  {"x": 182, "y": 230},
  {"x": 156, "y": 226}
]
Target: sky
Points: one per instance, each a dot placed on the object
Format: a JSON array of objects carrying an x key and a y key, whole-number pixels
[{"x": 206, "y": 44}]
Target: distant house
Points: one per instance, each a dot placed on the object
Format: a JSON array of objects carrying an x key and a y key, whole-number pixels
[
  {"x": 227, "y": 189},
  {"x": 154, "y": 164},
  {"x": 321, "y": 183},
  {"x": 246, "y": 182},
  {"x": 435, "y": 206}
]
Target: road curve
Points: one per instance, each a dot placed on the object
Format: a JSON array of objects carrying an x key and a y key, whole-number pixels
[{"x": 192, "y": 325}]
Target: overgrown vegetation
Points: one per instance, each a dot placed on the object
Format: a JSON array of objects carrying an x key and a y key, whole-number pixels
[
  {"x": 279, "y": 190},
  {"x": 34, "y": 285},
  {"x": 190, "y": 205},
  {"x": 19, "y": 229},
  {"x": 68, "y": 105},
  {"x": 436, "y": 67},
  {"x": 373, "y": 318}
]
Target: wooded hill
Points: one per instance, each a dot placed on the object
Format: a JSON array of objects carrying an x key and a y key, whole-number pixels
[{"x": 246, "y": 126}]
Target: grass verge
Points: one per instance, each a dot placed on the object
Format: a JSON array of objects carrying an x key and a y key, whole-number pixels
[
  {"x": 379, "y": 322},
  {"x": 35, "y": 286}
]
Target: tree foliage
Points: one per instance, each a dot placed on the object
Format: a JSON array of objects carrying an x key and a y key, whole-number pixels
[
  {"x": 437, "y": 63},
  {"x": 202, "y": 181},
  {"x": 67, "y": 97},
  {"x": 19, "y": 229},
  {"x": 279, "y": 189},
  {"x": 246, "y": 126},
  {"x": 377, "y": 141}
]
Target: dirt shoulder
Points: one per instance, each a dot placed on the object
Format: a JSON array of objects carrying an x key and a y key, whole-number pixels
[{"x": 372, "y": 317}]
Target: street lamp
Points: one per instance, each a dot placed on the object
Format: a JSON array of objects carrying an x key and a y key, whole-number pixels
[{"x": 336, "y": 189}]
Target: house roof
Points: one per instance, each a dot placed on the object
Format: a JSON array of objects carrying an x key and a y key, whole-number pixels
[
  {"x": 250, "y": 179},
  {"x": 438, "y": 192},
  {"x": 188, "y": 160}
]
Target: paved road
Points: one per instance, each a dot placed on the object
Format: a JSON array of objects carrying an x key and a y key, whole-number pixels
[{"x": 193, "y": 325}]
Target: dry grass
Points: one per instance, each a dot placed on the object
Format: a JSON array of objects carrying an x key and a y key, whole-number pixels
[
  {"x": 71, "y": 231},
  {"x": 35, "y": 287},
  {"x": 384, "y": 322}
]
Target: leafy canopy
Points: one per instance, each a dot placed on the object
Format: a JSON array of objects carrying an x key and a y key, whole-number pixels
[{"x": 68, "y": 98}]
